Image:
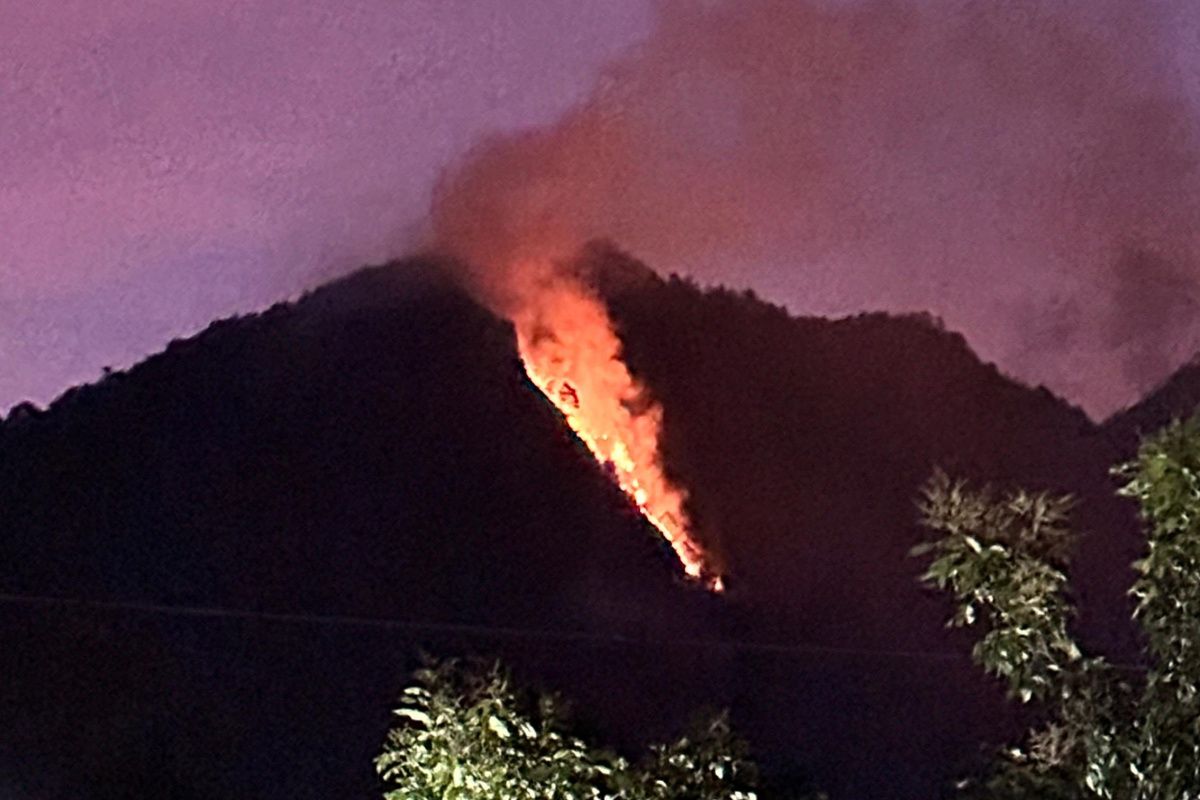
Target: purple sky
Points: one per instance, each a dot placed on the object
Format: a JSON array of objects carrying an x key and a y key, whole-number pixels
[
  {"x": 1027, "y": 170},
  {"x": 163, "y": 164}
]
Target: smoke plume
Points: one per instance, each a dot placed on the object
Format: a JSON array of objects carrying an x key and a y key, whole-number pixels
[{"x": 1017, "y": 168}]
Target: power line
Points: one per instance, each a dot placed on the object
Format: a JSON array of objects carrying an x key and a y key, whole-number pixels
[{"x": 215, "y": 612}]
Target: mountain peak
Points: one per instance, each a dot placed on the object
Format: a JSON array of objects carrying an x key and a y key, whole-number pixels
[{"x": 374, "y": 451}]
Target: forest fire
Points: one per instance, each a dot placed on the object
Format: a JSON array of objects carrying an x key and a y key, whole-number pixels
[{"x": 572, "y": 354}]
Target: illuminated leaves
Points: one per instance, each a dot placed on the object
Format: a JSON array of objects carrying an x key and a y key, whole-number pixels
[
  {"x": 711, "y": 763},
  {"x": 467, "y": 734},
  {"x": 1126, "y": 734},
  {"x": 997, "y": 557},
  {"x": 1164, "y": 479}
]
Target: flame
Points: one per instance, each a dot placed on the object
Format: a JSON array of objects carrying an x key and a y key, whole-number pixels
[{"x": 571, "y": 352}]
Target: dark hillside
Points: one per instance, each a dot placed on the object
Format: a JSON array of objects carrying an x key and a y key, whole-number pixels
[
  {"x": 1176, "y": 397},
  {"x": 372, "y": 451},
  {"x": 375, "y": 451},
  {"x": 805, "y": 441}
]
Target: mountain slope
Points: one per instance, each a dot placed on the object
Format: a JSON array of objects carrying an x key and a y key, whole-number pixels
[
  {"x": 1176, "y": 397},
  {"x": 375, "y": 451},
  {"x": 805, "y": 441}
]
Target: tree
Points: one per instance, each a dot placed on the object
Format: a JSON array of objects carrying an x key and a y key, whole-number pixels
[
  {"x": 466, "y": 733},
  {"x": 1109, "y": 731}
]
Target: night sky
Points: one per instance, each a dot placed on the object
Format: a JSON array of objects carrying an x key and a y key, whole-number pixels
[{"x": 1026, "y": 170}]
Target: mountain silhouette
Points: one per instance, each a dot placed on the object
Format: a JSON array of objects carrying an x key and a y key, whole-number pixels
[
  {"x": 1175, "y": 398},
  {"x": 230, "y": 555}
]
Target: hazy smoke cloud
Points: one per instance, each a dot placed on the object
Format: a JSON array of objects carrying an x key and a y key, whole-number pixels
[
  {"x": 1027, "y": 170},
  {"x": 1153, "y": 301}
]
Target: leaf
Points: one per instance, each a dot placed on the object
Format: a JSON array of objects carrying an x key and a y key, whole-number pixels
[
  {"x": 414, "y": 715},
  {"x": 497, "y": 726}
]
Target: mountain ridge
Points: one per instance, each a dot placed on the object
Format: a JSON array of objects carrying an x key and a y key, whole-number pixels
[{"x": 374, "y": 449}]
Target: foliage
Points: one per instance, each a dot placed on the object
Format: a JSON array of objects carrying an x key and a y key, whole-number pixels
[
  {"x": 1002, "y": 559},
  {"x": 712, "y": 762},
  {"x": 466, "y": 733},
  {"x": 1109, "y": 731}
]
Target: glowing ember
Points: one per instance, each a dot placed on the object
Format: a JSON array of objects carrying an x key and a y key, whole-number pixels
[{"x": 571, "y": 353}]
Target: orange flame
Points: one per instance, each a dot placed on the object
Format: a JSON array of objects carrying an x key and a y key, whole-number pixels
[{"x": 572, "y": 354}]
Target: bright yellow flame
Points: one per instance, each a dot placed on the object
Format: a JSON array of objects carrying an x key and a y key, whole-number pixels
[{"x": 572, "y": 354}]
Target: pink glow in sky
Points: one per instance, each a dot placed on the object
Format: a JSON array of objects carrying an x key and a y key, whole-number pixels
[
  {"x": 163, "y": 164},
  {"x": 1027, "y": 170}
]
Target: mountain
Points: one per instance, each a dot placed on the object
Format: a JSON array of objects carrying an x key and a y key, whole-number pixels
[
  {"x": 1176, "y": 397},
  {"x": 373, "y": 452},
  {"x": 332, "y": 484},
  {"x": 805, "y": 442}
]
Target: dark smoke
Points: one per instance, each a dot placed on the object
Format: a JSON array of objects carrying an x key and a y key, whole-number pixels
[
  {"x": 1152, "y": 300},
  {"x": 989, "y": 162}
]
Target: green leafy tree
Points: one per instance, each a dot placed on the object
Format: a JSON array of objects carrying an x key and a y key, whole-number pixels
[
  {"x": 466, "y": 733},
  {"x": 712, "y": 762},
  {"x": 1109, "y": 731}
]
